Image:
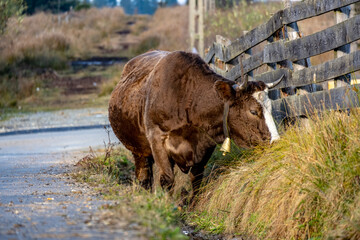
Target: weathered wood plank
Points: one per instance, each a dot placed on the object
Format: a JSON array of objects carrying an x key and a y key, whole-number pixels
[
  {"x": 283, "y": 17},
  {"x": 253, "y": 37},
  {"x": 342, "y": 14},
  {"x": 334, "y": 99},
  {"x": 314, "y": 74},
  {"x": 317, "y": 43},
  {"x": 210, "y": 54},
  {"x": 250, "y": 64},
  {"x": 312, "y": 8}
]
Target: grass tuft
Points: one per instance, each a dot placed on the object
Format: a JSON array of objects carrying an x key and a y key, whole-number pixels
[
  {"x": 304, "y": 186},
  {"x": 113, "y": 177}
]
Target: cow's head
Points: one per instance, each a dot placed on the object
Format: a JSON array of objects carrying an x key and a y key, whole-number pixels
[{"x": 250, "y": 120}]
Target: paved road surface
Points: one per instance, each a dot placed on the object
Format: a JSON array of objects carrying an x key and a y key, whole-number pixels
[{"x": 37, "y": 201}]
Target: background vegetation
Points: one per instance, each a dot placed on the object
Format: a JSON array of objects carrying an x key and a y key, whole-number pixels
[
  {"x": 232, "y": 20},
  {"x": 44, "y": 42}
]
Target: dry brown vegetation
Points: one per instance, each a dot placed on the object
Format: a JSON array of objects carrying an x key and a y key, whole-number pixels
[
  {"x": 306, "y": 186},
  {"x": 232, "y": 22},
  {"x": 41, "y": 42},
  {"x": 92, "y": 32},
  {"x": 42, "y": 38},
  {"x": 170, "y": 25}
]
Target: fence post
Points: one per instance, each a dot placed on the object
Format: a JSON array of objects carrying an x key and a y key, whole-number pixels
[
  {"x": 273, "y": 94},
  {"x": 248, "y": 54},
  {"x": 209, "y": 6},
  {"x": 342, "y": 14},
  {"x": 196, "y": 26}
]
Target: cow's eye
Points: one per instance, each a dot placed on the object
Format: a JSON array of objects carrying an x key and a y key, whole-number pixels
[{"x": 254, "y": 112}]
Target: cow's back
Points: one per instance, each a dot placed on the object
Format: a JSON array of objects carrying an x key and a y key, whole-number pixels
[{"x": 127, "y": 102}]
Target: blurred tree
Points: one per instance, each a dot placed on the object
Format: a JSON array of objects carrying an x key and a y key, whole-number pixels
[
  {"x": 100, "y": 3},
  {"x": 50, "y": 5},
  {"x": 128, "y": 6},
  {"x": 168, "y": 3},
  {"x": 145, "y": 6},
  {"x": 111, "y": 3},
  {"x": 104, "y": 3},
  {"x": 9, "y": 8}
]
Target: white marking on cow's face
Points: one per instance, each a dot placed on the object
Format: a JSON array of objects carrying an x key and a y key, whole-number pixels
[{"x": 264, "y": 100}]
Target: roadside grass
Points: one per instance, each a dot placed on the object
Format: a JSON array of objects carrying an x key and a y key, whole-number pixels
[
  {"x": 112, "y": 175},
  {"x": 306, "y": 185}
]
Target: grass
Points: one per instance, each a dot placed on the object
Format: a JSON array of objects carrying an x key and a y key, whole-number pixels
[
  {"x": 112, "y": 175},
  {"x": 304, "y": 186},
  {"x": 40, "y": 42},
  {"x": 172, "y": 33},
  {"x": 232, "y": 22}
]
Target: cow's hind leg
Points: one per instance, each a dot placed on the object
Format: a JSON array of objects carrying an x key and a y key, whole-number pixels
[
  {"x": 162, "y": 161},
  {"x": 143, "y": 170}
]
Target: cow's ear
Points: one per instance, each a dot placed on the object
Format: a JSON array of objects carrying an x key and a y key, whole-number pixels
[{"x": 225, "y": 90}]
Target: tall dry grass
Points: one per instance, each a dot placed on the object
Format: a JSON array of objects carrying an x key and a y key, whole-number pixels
[
  {"x": 306, "y": 186},
  {"x": 232, "y": 22},
  {"x": 170, "y": 27},
  {"x": 45, "y": 42}
]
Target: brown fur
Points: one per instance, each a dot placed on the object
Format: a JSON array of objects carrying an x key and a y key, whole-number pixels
[{"x": 168, "y": 109}]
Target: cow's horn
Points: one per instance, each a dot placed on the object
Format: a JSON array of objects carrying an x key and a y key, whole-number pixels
[
  {"x": 273, "y": 84},
  {"x": 242, "y": 86}
]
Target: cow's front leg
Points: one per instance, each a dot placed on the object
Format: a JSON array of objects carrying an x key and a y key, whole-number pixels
[
  {"x": 161, "y": 159},
  {"x": 197, "y": 172},
  {"x": 196, "y": 176}
]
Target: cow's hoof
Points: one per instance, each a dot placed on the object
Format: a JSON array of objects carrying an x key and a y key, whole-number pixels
[{"x": 147, "y": 184}]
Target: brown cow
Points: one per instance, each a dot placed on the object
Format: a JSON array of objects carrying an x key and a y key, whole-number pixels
[{"x": 168, "y": 108}]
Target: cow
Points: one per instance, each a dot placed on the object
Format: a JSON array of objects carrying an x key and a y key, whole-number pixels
[{"x": 168, "y": 108}]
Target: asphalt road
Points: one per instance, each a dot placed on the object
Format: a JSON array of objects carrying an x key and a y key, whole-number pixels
[{"x": 38, "y": 200}]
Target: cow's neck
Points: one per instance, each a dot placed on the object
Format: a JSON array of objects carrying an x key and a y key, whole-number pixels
[{"x": 208, "y": 114}]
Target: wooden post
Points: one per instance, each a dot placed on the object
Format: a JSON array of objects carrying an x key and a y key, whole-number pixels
[
  {"x": 273, "y": 94},
  {"x": 294, "y": 33},
  {"x": 248, "y": 54},
  {"x": 342, "y": 14},
  {"x": 209, "y": 6},
  {"x": 196, "y": 26}
]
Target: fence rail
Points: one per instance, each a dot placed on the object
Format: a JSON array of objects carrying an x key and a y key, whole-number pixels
[
  {"x": 224, "y": 58},
  {"x": 299, "y": 12},
  {"x": 335, "y": 99}
]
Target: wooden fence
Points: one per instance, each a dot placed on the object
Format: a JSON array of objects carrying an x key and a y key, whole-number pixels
[{"x": 223, "y": 57}]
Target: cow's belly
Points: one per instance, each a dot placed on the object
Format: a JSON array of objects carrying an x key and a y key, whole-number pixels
[{"x": 128, "y": 130}]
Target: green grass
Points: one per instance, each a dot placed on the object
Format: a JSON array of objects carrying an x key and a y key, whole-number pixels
[{"x": 113, "y": 177}]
